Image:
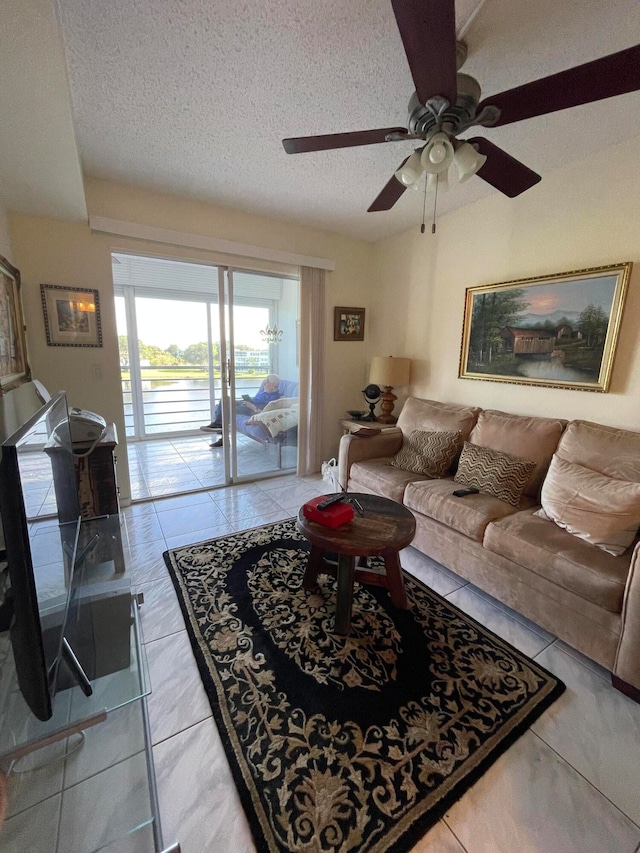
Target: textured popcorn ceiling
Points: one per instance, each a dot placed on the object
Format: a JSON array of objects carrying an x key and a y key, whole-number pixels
[{"x": 194, "y": 96}]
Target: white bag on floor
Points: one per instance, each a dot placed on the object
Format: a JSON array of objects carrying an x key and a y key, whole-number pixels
[{"x": 330, "y": 475}]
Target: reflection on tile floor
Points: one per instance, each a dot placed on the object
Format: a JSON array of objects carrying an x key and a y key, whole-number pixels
[
  {"x": 164, "y": 466},
  {"x": 568, "y": 785}
]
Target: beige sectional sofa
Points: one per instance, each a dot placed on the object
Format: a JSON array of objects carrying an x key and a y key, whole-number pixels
[{"x": 581, "y": 593}]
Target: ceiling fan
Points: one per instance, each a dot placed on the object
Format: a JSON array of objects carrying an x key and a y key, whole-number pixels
[{"x": 447, "y": 103}]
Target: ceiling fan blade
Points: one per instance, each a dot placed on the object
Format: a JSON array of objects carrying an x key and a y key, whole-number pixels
[
  {"x": 428, "y": 33},
  {"x": 611, "y": 75},
  {"x": 390, "y": 193},
  {"x": 301, "y": 144},
  {"x": 503, "y": 171}
]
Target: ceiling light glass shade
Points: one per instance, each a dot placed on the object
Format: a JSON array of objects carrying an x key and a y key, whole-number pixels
[
  {"x": 409, "y": 174},
  {"x": 437, "y": 154},
  {"x": 468, "y": 161},
  {"x": 440, "y": 181}
]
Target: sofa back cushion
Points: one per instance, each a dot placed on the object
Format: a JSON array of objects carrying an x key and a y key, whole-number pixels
[
  {"x": 608, "y": 450},
  {"x": 602, "y": 510},
  {"x": 534, "y": 439},
  {"x": 432, "y": 416}
]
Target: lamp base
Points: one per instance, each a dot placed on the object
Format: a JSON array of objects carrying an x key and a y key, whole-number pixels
[{"x": 387, "y": 401}]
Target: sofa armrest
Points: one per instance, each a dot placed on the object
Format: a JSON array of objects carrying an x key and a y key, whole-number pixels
[
  {"x": 627, "y": 663},
  {"x": 354, "y": 448}
]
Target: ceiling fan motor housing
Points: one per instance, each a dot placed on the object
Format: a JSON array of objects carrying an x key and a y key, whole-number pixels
[{"x": 438, "y": 114}]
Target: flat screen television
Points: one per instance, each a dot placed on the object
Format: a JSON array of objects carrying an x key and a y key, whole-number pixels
[{"x": 37, "y": 474}]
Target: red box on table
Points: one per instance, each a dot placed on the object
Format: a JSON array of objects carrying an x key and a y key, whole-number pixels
[{"x": 332, "y": 516}]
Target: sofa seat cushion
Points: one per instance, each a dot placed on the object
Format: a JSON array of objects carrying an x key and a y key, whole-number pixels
[
  {"x": 381, "y": 478},
  {"x": 571, "y": 563},
  {"x": 527, "y": 437},
  {"x": 469, "y": 515}
]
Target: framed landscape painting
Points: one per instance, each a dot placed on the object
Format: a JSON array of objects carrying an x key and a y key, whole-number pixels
[
  {"x": 558, "y": 331},
  {"x": 13, "y": 358}
]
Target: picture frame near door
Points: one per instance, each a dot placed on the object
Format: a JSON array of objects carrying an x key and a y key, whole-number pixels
[
  {"x": 557, "y": 331},
  {"x": 13, "y": 349},
  {"x": 71, "y": 316},
  {"x": 348, "y": 324}
]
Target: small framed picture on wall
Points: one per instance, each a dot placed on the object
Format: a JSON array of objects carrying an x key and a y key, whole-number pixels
[
  {"x": 348, "y": 324},
  {"x": 71, "y": 316}
]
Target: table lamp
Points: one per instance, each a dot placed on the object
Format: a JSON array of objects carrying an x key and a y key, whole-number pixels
[{"x": 389, "y": 373}]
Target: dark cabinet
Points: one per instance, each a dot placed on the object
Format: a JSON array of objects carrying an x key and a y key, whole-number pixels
[{"x": 96, "y": 476}]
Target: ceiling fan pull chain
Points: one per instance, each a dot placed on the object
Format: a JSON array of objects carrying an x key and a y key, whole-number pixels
[
  {"x": 435, "y": 205},
  {"x": 424, "y": 204},
  {"x": 424, "y": 207}
]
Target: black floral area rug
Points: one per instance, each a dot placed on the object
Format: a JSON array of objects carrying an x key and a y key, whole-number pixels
[{"x": 355, "y": 743}]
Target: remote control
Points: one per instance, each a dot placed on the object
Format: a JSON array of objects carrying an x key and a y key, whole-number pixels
[
  {"x": 330, "y": 501},
  {"x": 461, "y": 493}
]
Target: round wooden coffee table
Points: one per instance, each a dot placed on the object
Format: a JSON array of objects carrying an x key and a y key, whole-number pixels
[{"x": 385, "y": 529}]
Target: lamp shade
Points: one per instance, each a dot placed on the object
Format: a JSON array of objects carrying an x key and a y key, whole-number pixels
[{"x": 388, "y": 371}]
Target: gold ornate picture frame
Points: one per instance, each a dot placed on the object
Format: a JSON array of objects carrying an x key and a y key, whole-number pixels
[
  {"x": 13, "y": 349},
  {"x": 71, "y": 316},
  {"x": 557, "y": 331}
]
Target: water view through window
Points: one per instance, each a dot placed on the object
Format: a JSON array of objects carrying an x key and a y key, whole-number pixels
[{"x": 173, "y": 339}]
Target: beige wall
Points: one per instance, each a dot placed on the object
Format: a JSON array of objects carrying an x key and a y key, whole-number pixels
[
  {"x": 5, "y": 243},
  {"x": 54, "y": 252},
  {"x": 580, "y": 216},
  {"x": 412, "y": 285}
]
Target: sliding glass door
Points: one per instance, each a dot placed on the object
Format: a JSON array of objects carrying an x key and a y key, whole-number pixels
[
  {"x": 263, "y": 379},
  {"x": 194, "y": 340}
]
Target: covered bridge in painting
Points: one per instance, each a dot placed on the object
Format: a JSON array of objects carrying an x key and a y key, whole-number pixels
[{"x": 528, "y": 341}]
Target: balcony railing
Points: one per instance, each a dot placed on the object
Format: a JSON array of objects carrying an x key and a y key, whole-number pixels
[{"x": 178, "y": 399}]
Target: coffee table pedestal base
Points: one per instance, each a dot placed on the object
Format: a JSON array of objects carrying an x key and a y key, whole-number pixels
[{"x": 346, "y": 571}]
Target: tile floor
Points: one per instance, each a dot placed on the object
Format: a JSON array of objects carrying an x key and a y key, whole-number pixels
[
  {"x": 166, "y": 466},
  {"x": 570, "y": 784}
]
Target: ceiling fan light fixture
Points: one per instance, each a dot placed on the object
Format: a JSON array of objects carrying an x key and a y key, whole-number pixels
[
  {"x": 437, "y": 154},
  {"x": 468, "y": 161},
  {"x": 439, "y": 182},
  {"x": 409, "y": 173}
]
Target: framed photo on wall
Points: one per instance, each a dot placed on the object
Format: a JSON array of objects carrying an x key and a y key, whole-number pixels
[
  {"x": 557, "y": 331},
  {"x": 13, "y": 351},
  {"x": 71, "y": 316},
  {"x": 348, "y": 324}
]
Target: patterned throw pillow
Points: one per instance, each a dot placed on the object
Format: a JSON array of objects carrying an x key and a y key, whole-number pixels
[
  {"x": 428, "y": 453},
  {"x": 499, "y": 474},
  {"x": 276, "y": 422}
]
